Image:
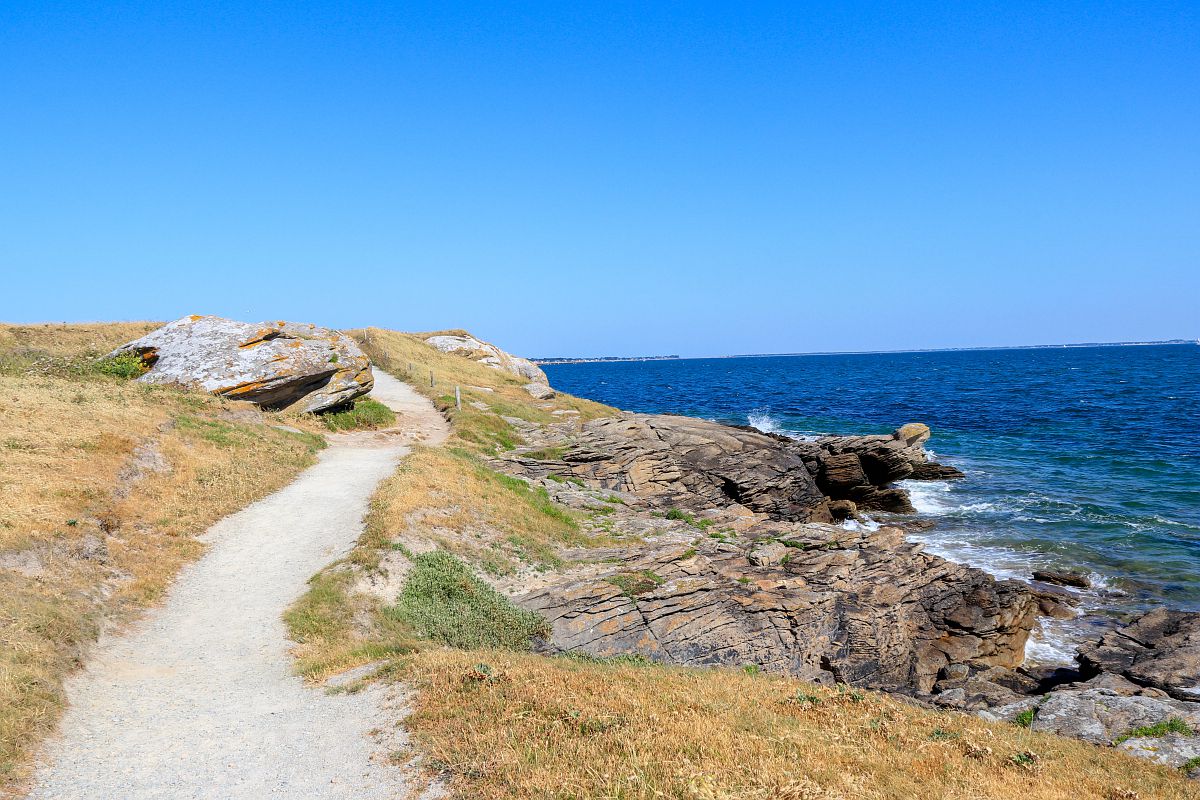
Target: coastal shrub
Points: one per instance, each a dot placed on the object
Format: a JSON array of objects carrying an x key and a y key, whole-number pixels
[
  {"x": 123, "y": 365},
  {"x": 444, "y": 601},
  {"x": 364, "y": 414}
]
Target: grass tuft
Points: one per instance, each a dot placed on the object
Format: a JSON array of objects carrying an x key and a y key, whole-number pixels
[
  {"x": 1172, "y": 725},
  {"x": 444, "y": 601},
  {"x": 363, "y": 415}
]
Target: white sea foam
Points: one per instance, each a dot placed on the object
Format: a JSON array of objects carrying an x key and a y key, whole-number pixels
[
  {"x": 929, "y": 497},
  {"x": 764, "y": 422},
  {"x": 1049, "y": 645},
  {"x": 862, "y": 524}
]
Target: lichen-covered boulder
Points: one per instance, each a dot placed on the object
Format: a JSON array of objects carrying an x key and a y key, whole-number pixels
[
  {"x": 275, "y": 365},
  {"x": 485, "y": 353}
]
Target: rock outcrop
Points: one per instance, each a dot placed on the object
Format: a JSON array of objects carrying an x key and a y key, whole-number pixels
[
  {"x": 540, "y": 391},
  {"x": 1161, "y": 649},
  {"x": 754, "y": 574},
  {"x": 697, "y": 463},
  {"x": 275, "y": 365},
  {"x": 485, "y": 353},
  {"x": 691, "y": 463},
  {"x": 862, "y": 468},
  {"x": 818, "y": 601}
]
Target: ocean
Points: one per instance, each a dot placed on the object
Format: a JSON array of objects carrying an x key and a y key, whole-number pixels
[{"x": 1083, "y": 458}]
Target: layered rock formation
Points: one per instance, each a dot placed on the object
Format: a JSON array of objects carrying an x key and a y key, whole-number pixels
[
  {"x": 485, "y": 353},
  {"x": 701, "y": 464},
  {"x": 749, "y": 573},
  {"x": 272, "y": 364},
  {"x": 817, "y": 601}
]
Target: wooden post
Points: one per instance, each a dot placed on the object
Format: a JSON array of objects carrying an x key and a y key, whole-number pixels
[
  {"x": 457, "y": 399},
  {"x": 431, "y": 383}
]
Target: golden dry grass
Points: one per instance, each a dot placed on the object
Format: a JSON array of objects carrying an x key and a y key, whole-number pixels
[
  {"x": 70, "y": 339},
  {"x": 406, "y": 356},
  {"x": 450, "y": 498},
  {"x": 87, "y": 536},
  {"x": 558, "y": 729}
]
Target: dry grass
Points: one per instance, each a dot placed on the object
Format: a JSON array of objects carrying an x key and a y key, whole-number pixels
[
  {"x": 450, "y": 498},
  {"x": 534, "y": 727},
  {"x": 406, "y": 356},
  {"x": 103, "y": 485},
  {"x": 60, "y": 340}
]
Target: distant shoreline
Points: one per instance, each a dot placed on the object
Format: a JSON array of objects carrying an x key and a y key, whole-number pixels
[{"x": 611, "y": 359}]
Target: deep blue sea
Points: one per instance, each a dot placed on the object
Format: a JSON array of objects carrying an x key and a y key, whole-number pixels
[{"x": 1084, "y": 458}]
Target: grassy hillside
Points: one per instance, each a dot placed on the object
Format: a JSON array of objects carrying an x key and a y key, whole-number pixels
[
  {"x": 406, "y": 356},
  {"x": 502, "y": 723},
  {"x": 105, "y": 483},
  {"x": 22, "y": 344}
]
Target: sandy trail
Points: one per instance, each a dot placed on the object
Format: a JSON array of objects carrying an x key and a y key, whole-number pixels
[{"x": 199, "y": 700}]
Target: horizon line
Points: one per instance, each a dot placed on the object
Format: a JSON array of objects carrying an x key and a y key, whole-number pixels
[{"x": 586, "y": 359}]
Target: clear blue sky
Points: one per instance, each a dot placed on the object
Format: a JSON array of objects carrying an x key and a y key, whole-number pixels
[{"x": 610, "y": 178}]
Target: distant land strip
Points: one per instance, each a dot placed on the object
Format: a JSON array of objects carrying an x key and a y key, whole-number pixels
[{"x": 598, "y": 359}]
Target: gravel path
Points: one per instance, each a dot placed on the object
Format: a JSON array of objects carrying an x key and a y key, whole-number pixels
[{"x": 199, "y": 700}]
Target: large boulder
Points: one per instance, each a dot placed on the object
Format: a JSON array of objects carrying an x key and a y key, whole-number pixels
[
  {"x": 275, "y": 365},
  {"x": 485, "y": 353},
  {"x": 1160, "y": 649}
]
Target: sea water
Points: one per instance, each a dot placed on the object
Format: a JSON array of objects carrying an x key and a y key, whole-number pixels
[{"x": 1082, "y": 458}]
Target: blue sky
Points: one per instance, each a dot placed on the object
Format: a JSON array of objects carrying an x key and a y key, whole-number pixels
[{"x": 610, "y": 178}]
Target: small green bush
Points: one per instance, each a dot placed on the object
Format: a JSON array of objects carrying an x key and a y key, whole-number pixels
[
  {"x": 123, "y": 365},
  {"x": 365, "y": 414},
  {"x": 444, "y": 601}
]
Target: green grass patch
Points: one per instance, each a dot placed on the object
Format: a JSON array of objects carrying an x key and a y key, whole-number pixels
[
  {"x": 126, "y": 366},
  {"x": 364, "y": 415},
  {"x": 546, "y": 454},
  {"x": 633, "y": 584},
  {"x": 1172, "y": 725},
  {"x": 690, "y": 519},
  {"x": 222, "y": 434},
  {"x": 537, "y": 497},
  {"x": 444, "y": 601},
  {"x": 1025, "y": 718}
]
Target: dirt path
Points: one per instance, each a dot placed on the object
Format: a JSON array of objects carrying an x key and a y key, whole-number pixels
[{"x": 199, "y": 701}]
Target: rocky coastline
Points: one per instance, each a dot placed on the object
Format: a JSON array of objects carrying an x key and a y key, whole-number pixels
[{"x": 735, "y": 547}]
